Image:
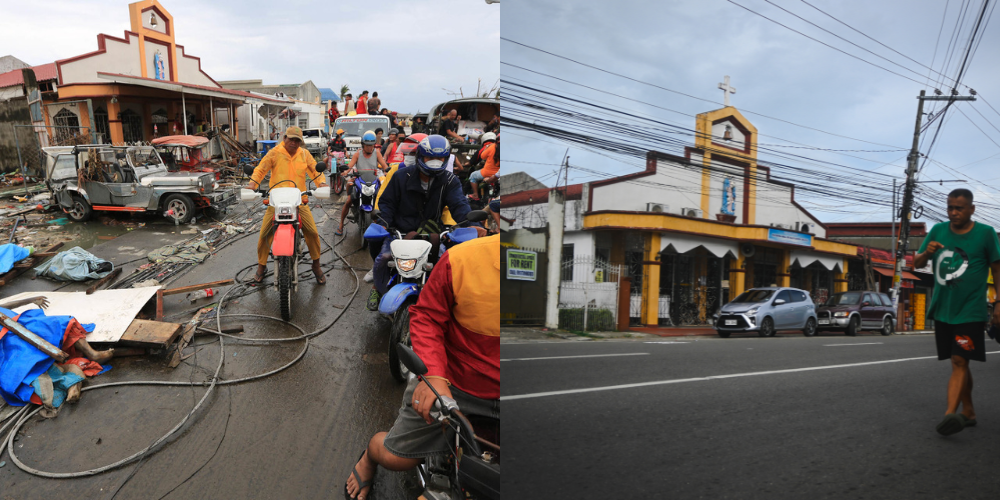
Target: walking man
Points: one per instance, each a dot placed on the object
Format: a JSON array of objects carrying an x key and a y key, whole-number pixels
[{"x": 961, "y": 252}]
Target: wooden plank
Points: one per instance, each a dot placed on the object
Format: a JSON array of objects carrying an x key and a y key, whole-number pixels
[
  {"x": 33, "y": 339},
  {"x": 114, "y": 274},
  {"x": 28, "y": 263},
  {"x": 144, "y": 333},
  {"x": 186, "y": 336},
  {"x": 194, "y": 288}
]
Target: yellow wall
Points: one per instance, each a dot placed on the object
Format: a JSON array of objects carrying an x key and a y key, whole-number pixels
[
  {"x": 135, "y": 15},
  {"x": 651, "y": 281},
  {"x": 703, "y": 141}
]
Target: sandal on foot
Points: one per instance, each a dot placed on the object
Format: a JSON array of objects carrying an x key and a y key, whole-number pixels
[
  {"x": 339, "y": 232},
  {"x": 373, "y": 299},
  {"x": 953, "y": 423},
  {"x": 970, "y": 422},
  {"x": 257, "y": 279},
  {"x": 320, "y": 278},
  {"x": 361, "y": 484}
]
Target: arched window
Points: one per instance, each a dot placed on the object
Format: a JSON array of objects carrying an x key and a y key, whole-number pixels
[
  {"x": 131, "y": 126},
  {"x": 101, "y": 125},
  {"x": 67, "y": 125}
]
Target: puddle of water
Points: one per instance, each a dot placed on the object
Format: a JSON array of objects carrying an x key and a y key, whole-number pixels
[{"x": 89, "y": 234}]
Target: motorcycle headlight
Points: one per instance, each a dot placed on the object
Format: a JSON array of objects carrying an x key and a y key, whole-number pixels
[
  {"x": 753, "y": 311},
  {"x": 840, "y": 314},
  {"x": 368, "y": 190},
  {"x": 406, "y": 265},
  {"x": 285, "y": 210}
]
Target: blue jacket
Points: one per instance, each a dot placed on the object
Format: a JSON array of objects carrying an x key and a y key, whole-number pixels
[{"x": 405, "y": 205}]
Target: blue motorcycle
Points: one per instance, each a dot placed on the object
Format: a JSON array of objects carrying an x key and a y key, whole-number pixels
[
  {"x": 364, "y": 203},
  {"x": 410, "y": 267}
]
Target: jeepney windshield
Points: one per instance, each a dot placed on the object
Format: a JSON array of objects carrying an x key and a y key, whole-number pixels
[
  {"x": 355, "y": 126},
  {"x": 143, "y": 157}
]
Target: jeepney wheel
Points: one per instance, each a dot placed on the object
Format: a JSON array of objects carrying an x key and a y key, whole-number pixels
[
  {"x": 81, "y": 210},
  {"x": 182, "y": 205}
]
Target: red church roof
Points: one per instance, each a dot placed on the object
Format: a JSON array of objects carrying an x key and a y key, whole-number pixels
[{"x": 42, "y": 73}]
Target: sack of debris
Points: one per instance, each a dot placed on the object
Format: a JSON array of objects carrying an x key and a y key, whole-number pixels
[{"x": 75, "y": 264}]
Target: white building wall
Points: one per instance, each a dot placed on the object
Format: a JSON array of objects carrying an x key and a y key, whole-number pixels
[
  {"x": 121, "y": 58},
  {"x": 774, "y": 206},
  {"x": 188, "y": 72},
  {"x": 675, "y": 185},
  {"x": 11, "y": 92}
]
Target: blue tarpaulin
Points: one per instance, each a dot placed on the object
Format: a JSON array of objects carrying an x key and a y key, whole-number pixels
[
  {"x": 11, "y": 254},
  {"x": 20, "y": 362}
]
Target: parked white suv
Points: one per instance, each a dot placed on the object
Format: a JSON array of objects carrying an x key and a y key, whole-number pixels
[{"x": 314, "y": 140}]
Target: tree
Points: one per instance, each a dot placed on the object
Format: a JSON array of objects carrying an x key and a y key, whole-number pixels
[{"x": 344, "y": 90}]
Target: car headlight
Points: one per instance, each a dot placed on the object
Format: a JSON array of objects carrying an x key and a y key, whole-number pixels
[
  {"x": 840, "y": 315},
  {"x": 753, "y": 311},
  {"x": 406, "y": 265}
]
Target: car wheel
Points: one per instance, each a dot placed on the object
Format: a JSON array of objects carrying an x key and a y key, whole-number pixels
[
  {"x": 766, "y": 328},
  {"x": 853, "y": 325},
  {"x": 182, "y": 205},
  {"x": 887, "y": 326},
  {"x": 725, "y": 335},
  {"x": 810, "y": 328},
  {"x": 81, "y": 210}
]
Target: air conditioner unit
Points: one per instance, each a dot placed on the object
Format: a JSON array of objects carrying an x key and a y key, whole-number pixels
[
  {"x": 783, "y": 226},
  {"x": 691, "y": 212},
  {"x": 747, "y": 249},
  {"x": 657, "y": 207},
  {"x": 803, "y": 227}
]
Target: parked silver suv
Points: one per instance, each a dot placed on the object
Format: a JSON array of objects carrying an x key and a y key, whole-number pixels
[{"x": 767, "y": 310}]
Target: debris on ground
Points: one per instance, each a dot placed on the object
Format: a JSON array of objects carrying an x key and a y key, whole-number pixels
[{"x": 75, "y": 264}]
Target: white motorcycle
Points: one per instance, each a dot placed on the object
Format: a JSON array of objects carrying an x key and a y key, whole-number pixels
[{"x": 287, "y": 234}]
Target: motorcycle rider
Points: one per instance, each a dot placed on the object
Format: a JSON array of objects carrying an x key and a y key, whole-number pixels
[
  {"x": 392, "y": 140},
  {"x": 337, "y": 144},
  {"x": 368, "y": 163},
  {"x": 454, "y": 330},
  {"x": 412, "y": 203},
  {"x": 288, "y": 161},
  {"x": 487, "y": 153}
]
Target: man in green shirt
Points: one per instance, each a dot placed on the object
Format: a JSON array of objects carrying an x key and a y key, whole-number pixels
[{"x": 961, "y": 252}]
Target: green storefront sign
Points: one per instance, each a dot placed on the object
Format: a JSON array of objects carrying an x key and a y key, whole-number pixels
[{"x": 521, "y": 265}]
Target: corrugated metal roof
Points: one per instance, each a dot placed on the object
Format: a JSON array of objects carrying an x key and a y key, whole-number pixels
[{"x": 43, "y": 73}]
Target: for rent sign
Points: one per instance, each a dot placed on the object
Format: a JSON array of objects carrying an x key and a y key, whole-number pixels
[{"x": 521, "y": 265}]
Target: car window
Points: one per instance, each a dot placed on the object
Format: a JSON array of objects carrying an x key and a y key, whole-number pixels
[
  {"x": 868, "y": 299},
  {"x": 783, "y": 295},
  {"x": 751, "y": 296},
  {"x": 800, "y": 296},
  {"x": 65, "y": 167},
  {"x": 886, "y": 300},
  {"x": 875, "y": 300},
  {"x": 844, "y": 299}
]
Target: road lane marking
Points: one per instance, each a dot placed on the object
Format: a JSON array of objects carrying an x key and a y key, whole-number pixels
[
  {"x": 702, "y": 379},
  {"x": 667, "y": 342},
  {"x": 585, "y": 356},
  {"x": 859, "y": 343}
]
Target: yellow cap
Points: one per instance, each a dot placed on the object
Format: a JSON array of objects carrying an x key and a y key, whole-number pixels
[{"x": 294, "y": 133}]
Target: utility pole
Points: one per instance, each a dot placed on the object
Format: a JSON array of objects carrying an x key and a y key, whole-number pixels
[{"x": 907, "y": 201}]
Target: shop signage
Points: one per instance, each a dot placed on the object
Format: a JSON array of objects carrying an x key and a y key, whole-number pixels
[
  {"x": 789, "y": 237},
  {"x": 521, "y": 265}
]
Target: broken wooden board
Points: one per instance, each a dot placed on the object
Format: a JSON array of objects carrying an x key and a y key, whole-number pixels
[
  {"x": 111, "y": 311},
  {"x": 177, "y": 351},
  {"x": 145, "y": 333},
  {"x": 27, "y": 263}
]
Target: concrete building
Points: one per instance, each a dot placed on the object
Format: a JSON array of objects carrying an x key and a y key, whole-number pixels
[
  {"x": 301, "y": 105},
  {"x": 130, "y": 89},
  {"x": 692, "y": 231}
]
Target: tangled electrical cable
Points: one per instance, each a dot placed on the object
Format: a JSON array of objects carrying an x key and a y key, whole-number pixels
[{"x": 22, "y": 416}]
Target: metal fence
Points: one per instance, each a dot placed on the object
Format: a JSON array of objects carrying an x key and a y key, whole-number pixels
[
  {"x": 588, "y": 299},
  {"x": 30, "y": 139}
]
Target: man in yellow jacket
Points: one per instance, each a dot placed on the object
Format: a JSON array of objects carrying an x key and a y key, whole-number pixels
[{"x": 288, "y": 161}]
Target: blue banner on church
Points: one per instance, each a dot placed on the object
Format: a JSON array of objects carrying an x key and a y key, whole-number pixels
[{"x": 789, "y": 237}]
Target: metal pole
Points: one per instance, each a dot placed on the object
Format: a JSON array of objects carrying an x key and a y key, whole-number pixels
[
  {"x": 894, "y": 237},
  {"x": 184, "y": 114}
]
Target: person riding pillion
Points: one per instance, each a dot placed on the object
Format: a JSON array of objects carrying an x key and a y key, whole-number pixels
[
  {"x": 368, "y": 164},
  {"x": 412, "y": 203},
  {"x": 289, "y": 165}
]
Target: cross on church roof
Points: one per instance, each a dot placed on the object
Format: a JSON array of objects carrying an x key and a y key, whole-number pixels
[{"x": 726, "y": 89}]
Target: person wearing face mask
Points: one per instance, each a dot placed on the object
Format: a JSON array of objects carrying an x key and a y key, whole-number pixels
[
  {"x": 412, "y": 203},
  {"x": 405, "y": 156}
]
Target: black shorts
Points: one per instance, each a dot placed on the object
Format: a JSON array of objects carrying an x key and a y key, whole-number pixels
[{"x": 964, "y": 339}]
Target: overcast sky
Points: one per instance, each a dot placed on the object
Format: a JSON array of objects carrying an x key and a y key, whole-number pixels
[
  {"x": 407, "y": 50},
  {"x": 690, "y": 45}
]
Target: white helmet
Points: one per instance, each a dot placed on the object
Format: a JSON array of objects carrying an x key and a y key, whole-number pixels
[{"x": 487, "y": 137}]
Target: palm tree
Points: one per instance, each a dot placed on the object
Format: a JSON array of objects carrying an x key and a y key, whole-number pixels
[{"x": 344, "y": 90}]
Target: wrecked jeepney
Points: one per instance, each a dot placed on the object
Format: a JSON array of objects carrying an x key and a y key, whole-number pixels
[{"x": 98, "y": 177}]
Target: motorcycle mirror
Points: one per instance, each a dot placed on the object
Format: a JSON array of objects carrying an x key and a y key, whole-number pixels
[
  {"x": 321, "y": 166},
  {"x": 410, "y": 359},
  {"x": 248, "y": 169},
  {"x": 477, "y": 216}
]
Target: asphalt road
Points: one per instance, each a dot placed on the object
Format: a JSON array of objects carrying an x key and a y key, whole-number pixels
[
  {"x": 295, "y": 434},
  {"x": 785, "y": 417}
]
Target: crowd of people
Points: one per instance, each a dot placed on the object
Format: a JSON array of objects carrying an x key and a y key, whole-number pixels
[
  {"x": 453, "y": 325},
  {"x": 366, "y": 105}
]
